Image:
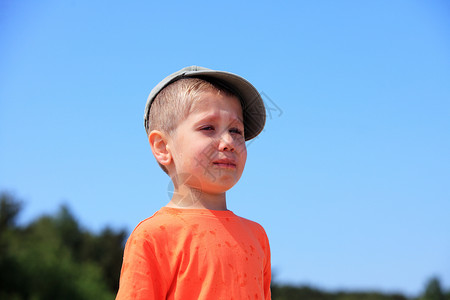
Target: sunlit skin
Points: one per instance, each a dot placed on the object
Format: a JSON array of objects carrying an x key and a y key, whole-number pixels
[{"x": 206, "y": 154}]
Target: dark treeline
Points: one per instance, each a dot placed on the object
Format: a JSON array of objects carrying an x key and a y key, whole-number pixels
[
  {"x": 54, "y": 257},
  {"x": 432, "y": 291}
]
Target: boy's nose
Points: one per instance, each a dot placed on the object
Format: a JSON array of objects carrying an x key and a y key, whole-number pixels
[{"x": 226, "y": 142}]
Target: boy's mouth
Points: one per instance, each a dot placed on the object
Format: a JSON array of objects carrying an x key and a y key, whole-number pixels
[{"x": 225, "y": 163}]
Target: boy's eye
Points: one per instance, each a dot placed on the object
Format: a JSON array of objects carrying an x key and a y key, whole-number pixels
[
  {"x": 236, "y": 130},
  {"x": 207, "y": 128}
]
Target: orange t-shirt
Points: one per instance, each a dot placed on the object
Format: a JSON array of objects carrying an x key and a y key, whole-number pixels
[{"x": 196, "y": 254}]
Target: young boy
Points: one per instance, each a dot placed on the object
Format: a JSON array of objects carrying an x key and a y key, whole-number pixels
[{"x": 197, "y": 121}]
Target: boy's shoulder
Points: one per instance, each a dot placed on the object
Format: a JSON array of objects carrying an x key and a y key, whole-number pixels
[
  {"x": 170, "y": 229},
  {"x": 174, "y": 220}
]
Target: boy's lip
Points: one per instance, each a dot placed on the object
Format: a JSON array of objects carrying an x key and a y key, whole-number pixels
[{"x": 225, "y": 162}]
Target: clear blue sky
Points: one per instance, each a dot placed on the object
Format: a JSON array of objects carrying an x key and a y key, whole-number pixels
[{"x": 350, "y": 177}]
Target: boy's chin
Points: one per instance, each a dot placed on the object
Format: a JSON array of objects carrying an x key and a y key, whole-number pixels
[
  {"x": 218, "y": 186},
  {"x": 206, "y": 183}
]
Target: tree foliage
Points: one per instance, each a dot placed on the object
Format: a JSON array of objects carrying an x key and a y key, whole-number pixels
[
  {"x": 53, "y": 258},
  {"x": 289, "y": 292},
  {"x": 433, "y": 291}
]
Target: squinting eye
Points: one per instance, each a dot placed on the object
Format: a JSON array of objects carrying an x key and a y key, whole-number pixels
[
  {"x": 236, "y": 130},
  {"x": 207, "y": 128}
]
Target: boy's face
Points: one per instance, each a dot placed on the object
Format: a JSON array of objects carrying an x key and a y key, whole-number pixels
[{"x": 208, "y": 147}]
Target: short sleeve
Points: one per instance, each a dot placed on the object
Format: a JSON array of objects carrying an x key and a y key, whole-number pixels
[{"x": 141, "y": 275}]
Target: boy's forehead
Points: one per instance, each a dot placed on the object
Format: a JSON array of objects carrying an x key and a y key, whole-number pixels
[{"x": 212, "y": 100}]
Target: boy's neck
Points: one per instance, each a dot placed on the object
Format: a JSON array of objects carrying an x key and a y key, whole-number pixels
[{"x": 191, "y": 198}]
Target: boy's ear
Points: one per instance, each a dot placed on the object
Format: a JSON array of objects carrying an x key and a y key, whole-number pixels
[{"x": 158, "y": 143}]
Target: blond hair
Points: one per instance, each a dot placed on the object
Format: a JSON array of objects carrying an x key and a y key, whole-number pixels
[{"x": 173, "y": 104}]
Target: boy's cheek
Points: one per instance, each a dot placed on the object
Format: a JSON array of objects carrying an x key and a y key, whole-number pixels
[
  {"x": 243, "y": 156},
  {"x": 242, "y": 151}
]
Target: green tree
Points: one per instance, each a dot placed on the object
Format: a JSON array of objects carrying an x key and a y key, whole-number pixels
[
  {"x": 290, "y": 292},
  {"x": 433, "y": 290},
  {"x": 9, "y": 210},
  {"x": 106, "y": 250},
  {"x": 52, "y": 258}
]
